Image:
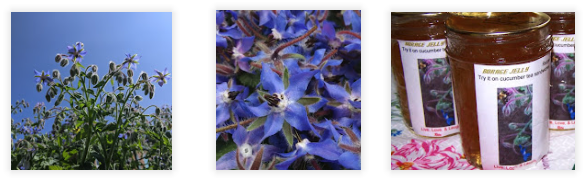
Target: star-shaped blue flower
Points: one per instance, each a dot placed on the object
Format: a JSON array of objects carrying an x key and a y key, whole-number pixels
[
  {"x": 161, "y": 77},
  {"x": 76, "y": 53},
  {"x": 327, "y": 149},
  {"x": 282, "y": 103},
  {"x": 131, "y": 61},
  {"x": 42, "y": 77}
]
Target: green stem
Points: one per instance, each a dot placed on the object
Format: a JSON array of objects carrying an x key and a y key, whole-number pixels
[{"x": 119, "y": 120}]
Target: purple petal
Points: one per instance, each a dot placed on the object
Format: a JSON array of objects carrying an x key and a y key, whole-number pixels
[
  {"x": 356, "y": 88},
  {"x": 318, "y": 56},
  {"x": 161, "y": 82},
  {"x": 245, "y": 44},
  {"x": 347, "y": 15},
  {"x": 356, "y": 23},
  {"x": 350, "y": 160},
  {"x": 337, "y": 92},
  {"x": 37, "y": 73},
  {"x": 220, "y": 88},
  {"x": 270, "y": 80},
  {"x": 284, "y": 165},
  {"x": 296, "y": 115},
  {"x": 328, "y": 30},
  {"x": 298, "y": 85},
  {"x": 255, "y": 136},
  {"x": 280, "y": 22},
  {"x": 239, "y": 136},
  {"x": 70, "y": 49},
  {"x": 222, "y": 114},
  {"x": 269, "y": 152},
  {"x": 83, "y": 53},
  {"x": 355, "y": 104},
  {"x": 78, "y": 46},
  {"x": 227, "y": 161},
  {"x": 266, "y": 18},
  {"x": 219, "y": 17},
  {"x": 327, "y": 125},
  {"x": 327, "y": 149},
  {"x": 259, "y": 111},
  {"x": 273, "y": 124}
]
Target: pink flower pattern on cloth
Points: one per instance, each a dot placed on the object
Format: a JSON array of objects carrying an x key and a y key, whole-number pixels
[{"x": 428, "y": 155}]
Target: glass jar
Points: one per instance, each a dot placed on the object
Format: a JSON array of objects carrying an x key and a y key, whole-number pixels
[
  {"x": 501, "y": 73},
  {"x": 422, "y": 73},
  {"x": 562, "y": 79}
]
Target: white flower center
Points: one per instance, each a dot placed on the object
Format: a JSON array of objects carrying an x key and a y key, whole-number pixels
[
  {"x": 303, "y": 144},
  {"x": 276, "y": 34},
  {"x": 246, "y": 150},
  {"x": 225, "y": 96},
  {"x": 283, "y": 102}
]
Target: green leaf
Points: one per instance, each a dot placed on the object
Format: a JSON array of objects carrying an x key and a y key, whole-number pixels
[
  {"x": 221, "y": 148},
  {"x": 347, "y": 87},
  {"x": 293, "y": 55},
  {"x": 257, "y": 123},
  {"x": 55, "y": 167},
  {"x": 287, "y": 131},
  {"x": 248, "y": 79},
  {"x": 66, "y": 155},
  {"x": 285, "y": 78},
  {"x": 79, "y": 65},
  {"x": 308, "y": 100},
  {"x": 78, "y": 123}
]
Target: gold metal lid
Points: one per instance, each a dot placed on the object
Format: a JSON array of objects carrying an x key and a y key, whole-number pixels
[
  {"x": 416, "y": 13},
  {"x": 496, "y": 23}
]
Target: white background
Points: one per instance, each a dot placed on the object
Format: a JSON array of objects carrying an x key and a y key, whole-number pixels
[{"x": 193, "y": 79}]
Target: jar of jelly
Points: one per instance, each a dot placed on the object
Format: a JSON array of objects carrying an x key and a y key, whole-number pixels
[
  {"x": 422, "y": 73},
  {"x": 562, "y": 79},
  {"x": 501, "y": 72}
]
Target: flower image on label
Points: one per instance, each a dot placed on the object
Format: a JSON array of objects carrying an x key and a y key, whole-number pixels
[
  {"x": 512, "y": 103},
  {"x": 562, "y": 81},
  {"x": 429, "y": 89}
]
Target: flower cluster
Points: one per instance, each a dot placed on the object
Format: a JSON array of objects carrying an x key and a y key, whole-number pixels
[
  {"x": 97, "y": 128},
  {"x": 288, "y": 89}
]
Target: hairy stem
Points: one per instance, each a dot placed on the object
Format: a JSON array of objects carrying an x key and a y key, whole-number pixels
[{"x": 233, "y": 126}]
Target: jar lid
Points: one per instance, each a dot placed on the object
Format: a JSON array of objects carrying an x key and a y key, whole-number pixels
[
  {"x": 496, "y": 23},
  {"x": 417, "y": 13}
]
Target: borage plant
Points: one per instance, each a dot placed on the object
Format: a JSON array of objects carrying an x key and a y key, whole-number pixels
[
  {"x": 95, "y": 128},
  {"x": 288, "y": 90}
]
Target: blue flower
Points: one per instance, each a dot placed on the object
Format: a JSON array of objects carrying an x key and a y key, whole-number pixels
[
  {"x": 230, "y": 97},
  {"x": 525, "y": 154},
  {"x": 42, "y": 77},
  {"x": 77, "y": 52},
  {"x": 448, "y": 119},
  {"x": 327, "y": 149},
  {"x": 123, "y": 136},
  {"x": 131, "y": 61},
  {"x": 282, "y": 103},
  {"x": 350, "y": 101},
  {"x": 249, "y": 145},
  {"x": 352, "y": 18},
  {"x": 395, "y": 132},
  {"x": 161, "y": 77},
  {"x": 571, "y": 109}
]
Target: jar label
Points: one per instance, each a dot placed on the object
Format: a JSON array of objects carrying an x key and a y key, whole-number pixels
[
  {"x": 428, "y": 86},
  {"x": 562, "y": 81},
  {"x": 512, "y": 113}
]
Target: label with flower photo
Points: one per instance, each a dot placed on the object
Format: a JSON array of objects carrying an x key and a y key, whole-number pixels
[
  {"x": 562, "y": 83},
  {"x": 428, "y": 86},
  {"x": 512, "y": 113}
]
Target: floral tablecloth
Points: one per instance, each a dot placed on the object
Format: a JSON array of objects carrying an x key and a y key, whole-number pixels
[{"x": 411, "y": 152}]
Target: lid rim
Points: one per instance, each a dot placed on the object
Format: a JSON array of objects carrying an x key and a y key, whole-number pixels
[{"x": 500, "y": 33}]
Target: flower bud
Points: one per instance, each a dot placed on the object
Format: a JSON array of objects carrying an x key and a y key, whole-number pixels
[
  {"x": 39, "y": 87},
  {"x": 144, "y": 76},
  {"x": 59, "y": 99},
  {"x": 124, "y": 81},
  {"x": 94, "y": 68},
  {"x": 94, "y": 79},
  {"x": 151, "y": 94},
  {"x": 130, "y": 72},
  {"x": 56, "y": 74},
  {"x": 64, "y": 62},
  {"x": 130, "y": 80},
  {"x": 112, "y": 66},
  {"x": 58, "y": 58},
  {"x": 88, "y": 75},
  {"x": 138, "y": 98},
  {"x": 110, "y": 98},
  {"x": 48, "y": 97},
  {"x": 66, "y": 81},
  {"x": 74, "y": 70},
  {"x": 157, "y": 111}
]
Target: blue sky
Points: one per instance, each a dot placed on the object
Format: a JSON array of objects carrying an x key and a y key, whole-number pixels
[{"x": 38, "y": 37}]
